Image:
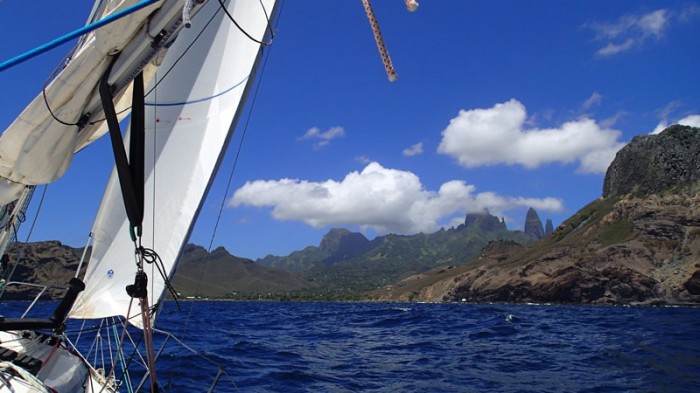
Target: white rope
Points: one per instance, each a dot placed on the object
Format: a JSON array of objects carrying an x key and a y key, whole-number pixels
[{"x": 186, "y": 10}]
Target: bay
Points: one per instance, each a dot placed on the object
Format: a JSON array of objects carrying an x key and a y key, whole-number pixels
[{"x": 410, "y": 347}]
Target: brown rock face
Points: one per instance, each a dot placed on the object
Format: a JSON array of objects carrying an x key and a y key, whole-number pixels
[
  {"x": 46, "y": 263},
  {"x": 654, "y": 163},
  {"x": 626, "y": 251}
]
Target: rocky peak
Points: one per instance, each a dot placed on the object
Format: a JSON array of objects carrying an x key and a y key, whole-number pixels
[
  {"x": 548, "y": 227},
  {"x": 650, "y": 164},
  {"x": 484, "y": 221},
  {"x": 220, "y": 252},
  {"x": 533, "y": 224},
  {"x": 343, "y": 244}
]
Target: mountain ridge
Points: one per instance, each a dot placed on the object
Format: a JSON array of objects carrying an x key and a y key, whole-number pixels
[
  {"x": 344, "y": 265},
  {"x": 638, "y": 244}
]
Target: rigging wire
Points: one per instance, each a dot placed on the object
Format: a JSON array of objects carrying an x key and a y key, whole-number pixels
[
  {"x": 154, "y": 175},
  {"x": 36, "y": 215},
  {"x": 151, "y": 257},
  {"x": 263, "y": 43},
  {"x": 158, "y": 81},
  {"x": 233, "y": 169},
  {"x": 15, "y": 239},
  {"x": 223, "y": 7},
  {"x": 121, "y": 342},
  {"x": 68, "y": 59}
]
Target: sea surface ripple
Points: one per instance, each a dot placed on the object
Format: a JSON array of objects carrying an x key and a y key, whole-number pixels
[
  {"x": 408, "y": 347},
  {"x": 411, "y": 347}
]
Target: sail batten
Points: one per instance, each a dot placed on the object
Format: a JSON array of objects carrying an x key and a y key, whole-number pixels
[{"x": 189, "y": 123}]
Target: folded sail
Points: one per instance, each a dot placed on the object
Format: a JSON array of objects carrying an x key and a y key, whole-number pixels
[
  {"x": 36, "y": 148},
  {"x": 190, "y": 117}
]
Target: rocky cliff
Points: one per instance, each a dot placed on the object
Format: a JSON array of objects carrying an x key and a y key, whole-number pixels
[
  {"x": 638, "y": 244},
  {"x": 548, "y": 228},
  {"x": 44, "y": 263},
  {"x": 533, "y": 224},
  {"x": 654, "y": 163},
  {"x": 341, "y": 244}
]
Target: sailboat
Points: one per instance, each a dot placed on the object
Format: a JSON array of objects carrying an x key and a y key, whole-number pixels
[{"x": 183, "y": 69}]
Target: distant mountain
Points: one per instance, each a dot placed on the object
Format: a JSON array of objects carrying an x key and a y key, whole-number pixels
[
  {"x": 348, "y": 262},
  {"x": 344, "y": 265},
  {"x": 533, "y": 224},
  {"x": 341, "y": 244},
  {"x": 47, "y": 263},
  {"x": 640, "y": 243},
  {"x": 337, "y": 245},
  {"x": 53, "y": 264},
  {"x": 484, "y": 221},
  {"x": 296, "y": 261},
  {"x": 548, "y": 228},
  {"x": 225, "y": 274}
]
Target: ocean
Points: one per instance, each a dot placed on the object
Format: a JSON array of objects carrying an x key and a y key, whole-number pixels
[{"x": 410, "y": 347}]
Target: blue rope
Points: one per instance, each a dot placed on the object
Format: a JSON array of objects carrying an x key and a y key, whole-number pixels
[
  {"x": 77, "y": 33},
  {"x": 208, "y": 98}
]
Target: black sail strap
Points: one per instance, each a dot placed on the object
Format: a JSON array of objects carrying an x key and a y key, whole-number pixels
[
  {"x": 131, "y": 180},
  {"x": 131, "y": 171}
]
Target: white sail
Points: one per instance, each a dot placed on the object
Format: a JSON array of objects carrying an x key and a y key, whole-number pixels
[{"x": 189, "y": 119}]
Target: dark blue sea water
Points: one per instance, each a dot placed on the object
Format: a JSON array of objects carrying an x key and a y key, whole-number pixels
[{"x": 406, "y": 347}]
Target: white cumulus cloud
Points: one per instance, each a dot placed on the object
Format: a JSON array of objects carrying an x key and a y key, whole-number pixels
[
  {"x": 385, "y": 200},
  {"x": 323, "y": 138},
  {"x": 692, "y": 121},
  {"x": 497, "y": 135},
  {"x": 414, "y": 150}
]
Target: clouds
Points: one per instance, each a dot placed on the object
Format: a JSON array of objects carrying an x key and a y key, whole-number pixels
[
  {"x": 611, "y": 48},
  {"x": 414, "y": 150},
  {"x": 378, "y": 198},
  {"x": 635, "y": 30},
  {"x": 322, "y": 138},
  {"x": 594, "y": 100},
  {"x": 497, "y": 135},
  {"x": 630, "y": 31}
]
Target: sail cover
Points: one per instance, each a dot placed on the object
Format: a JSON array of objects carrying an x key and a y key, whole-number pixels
[
  {"x": 190, "y": 117},
  {"x": 37, "y": 149}
]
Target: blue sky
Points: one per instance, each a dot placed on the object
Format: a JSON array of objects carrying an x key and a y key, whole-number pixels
[{"x": 498, "y": 104}]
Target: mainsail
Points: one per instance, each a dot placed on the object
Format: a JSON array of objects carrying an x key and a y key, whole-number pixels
[{"x": 192, "y": 106}]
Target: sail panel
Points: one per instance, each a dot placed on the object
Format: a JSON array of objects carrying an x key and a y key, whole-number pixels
[{"x": 189, "y": 120}]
